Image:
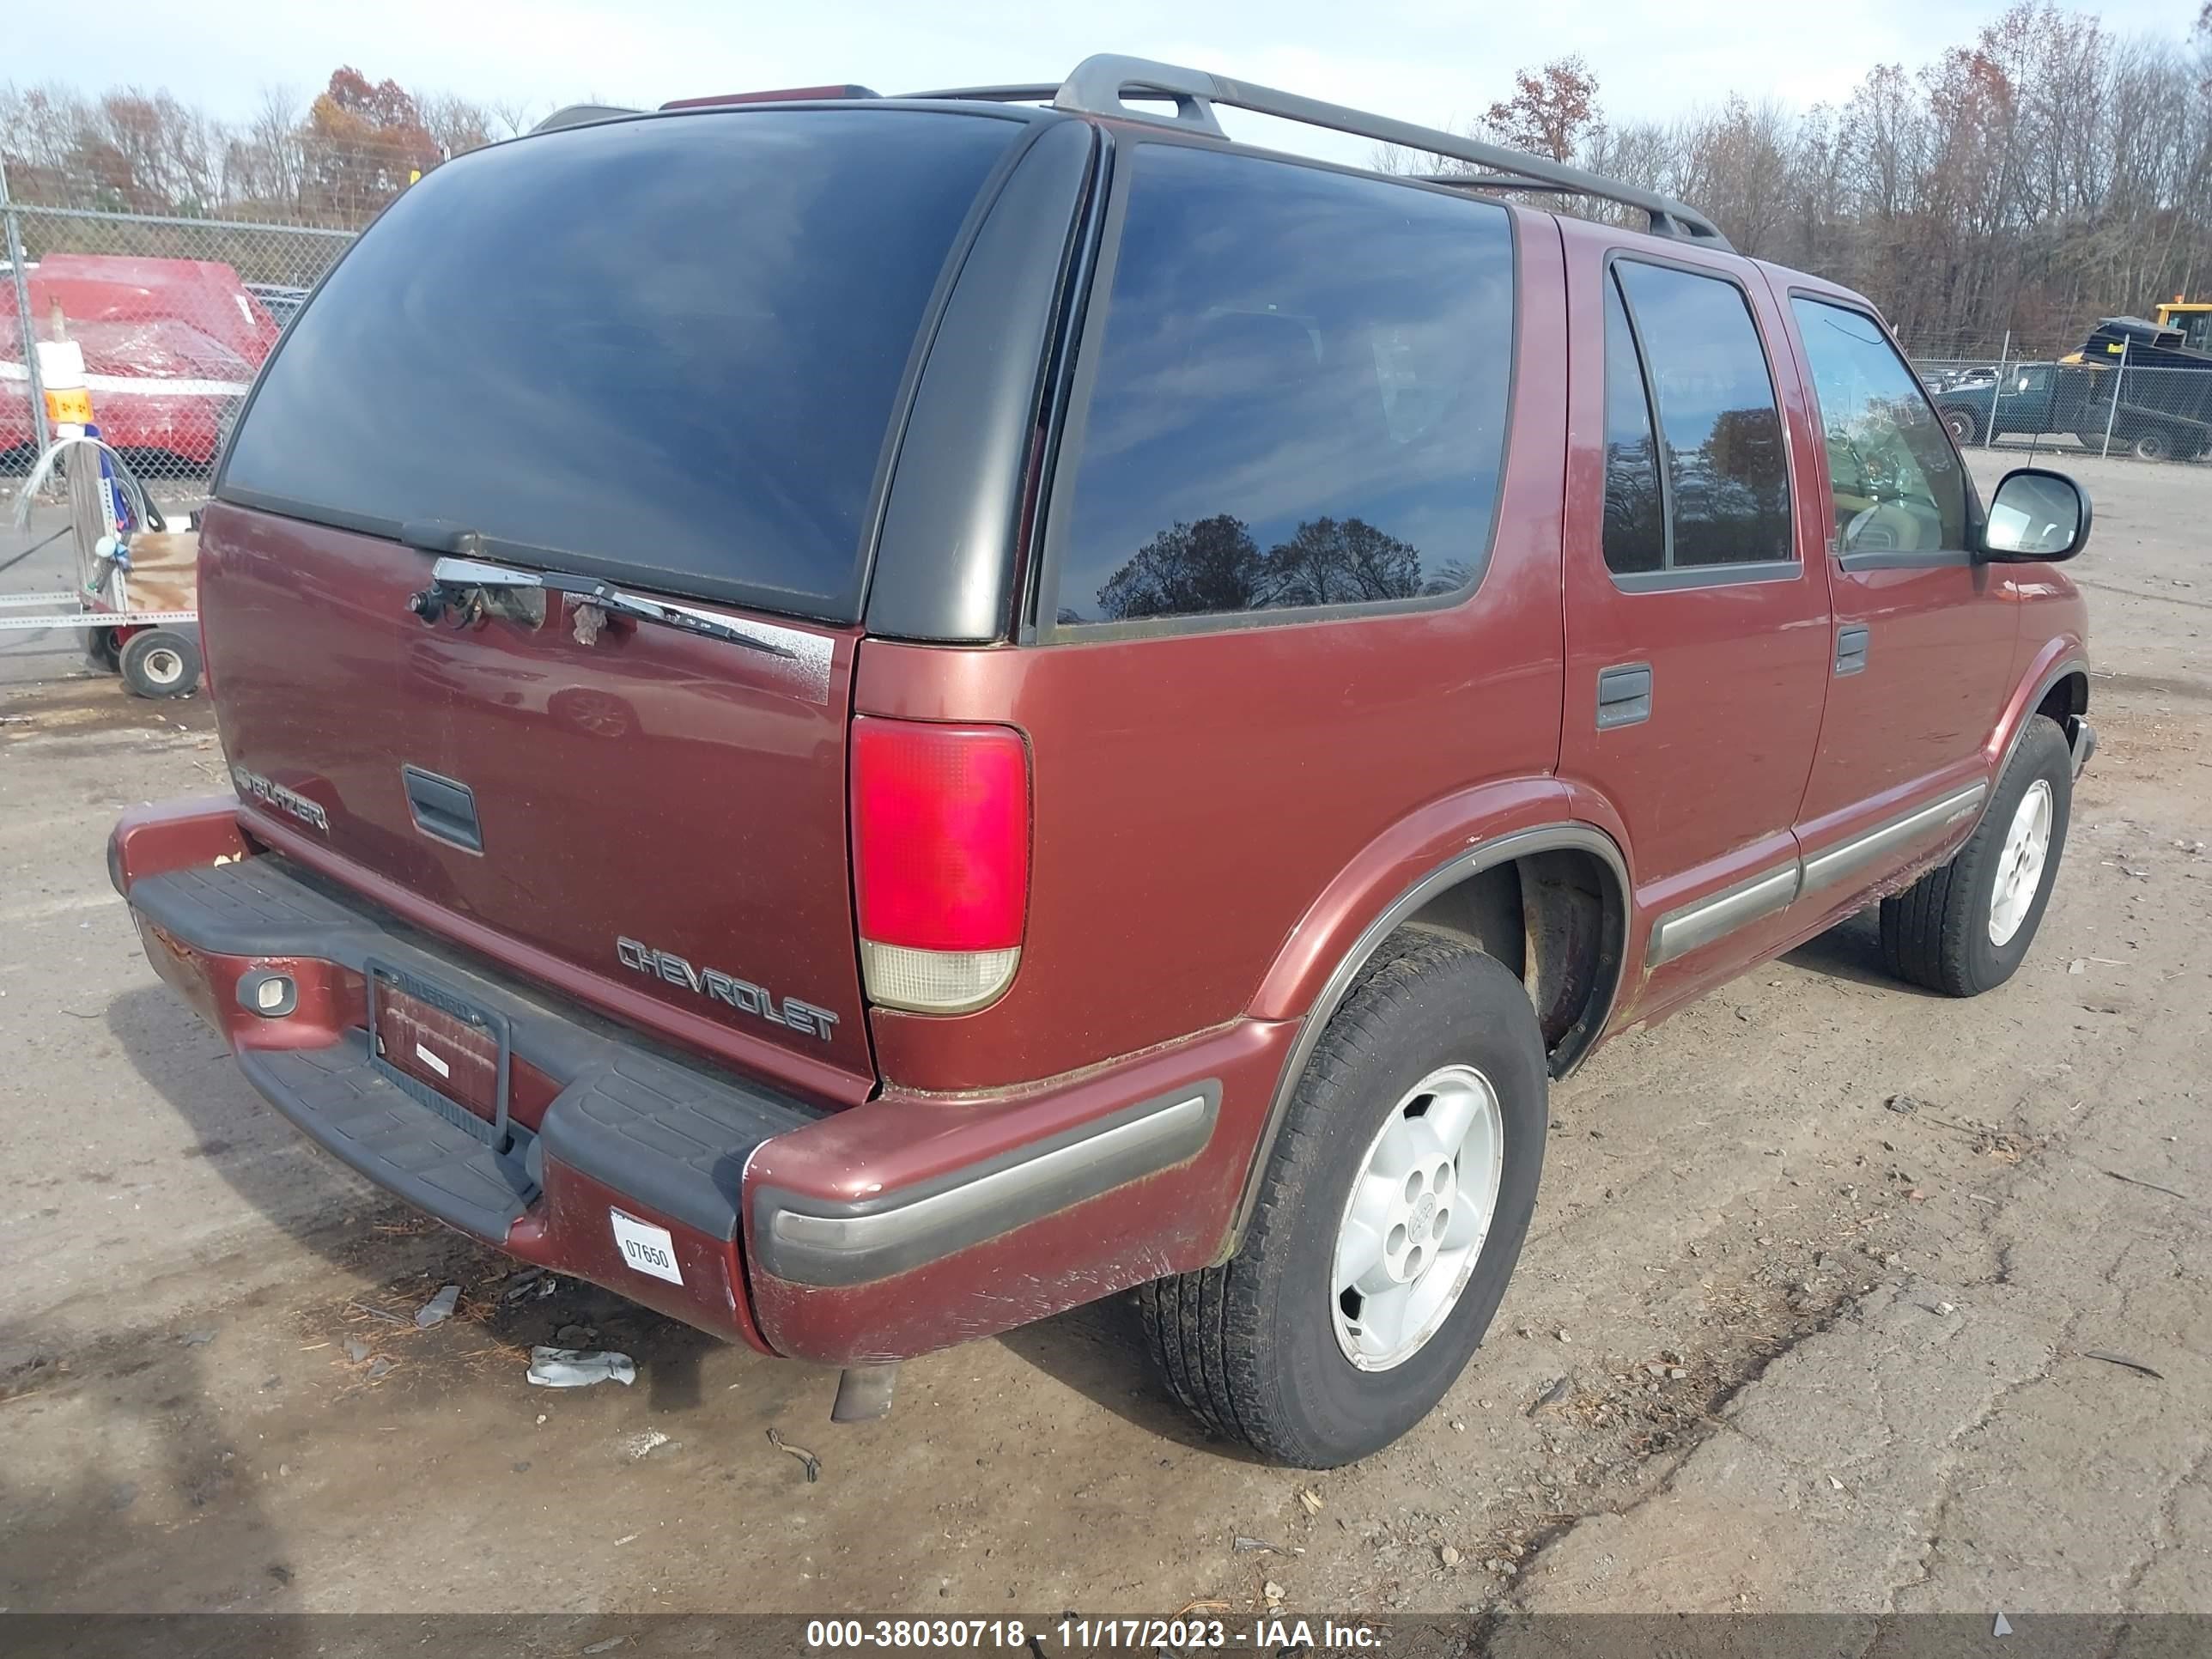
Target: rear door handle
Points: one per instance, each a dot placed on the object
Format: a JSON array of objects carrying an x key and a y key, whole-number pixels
[
  {"x": 1624, "y": 694},
  {"x": 1851, "y": 649}
]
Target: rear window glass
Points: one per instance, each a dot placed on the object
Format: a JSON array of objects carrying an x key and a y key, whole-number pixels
[
  {"x": 1301, "y": 398},
  {"x": 665, "y": 351},
  {"x": 1728, "y": 475}
]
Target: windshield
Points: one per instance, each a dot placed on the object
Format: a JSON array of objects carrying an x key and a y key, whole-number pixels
[{"x": 666, "y": 350}]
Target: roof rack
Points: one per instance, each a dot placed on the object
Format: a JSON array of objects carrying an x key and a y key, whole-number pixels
[
  {"x": 1100, "y": 84},
  {"x": 582, "y": 115}
]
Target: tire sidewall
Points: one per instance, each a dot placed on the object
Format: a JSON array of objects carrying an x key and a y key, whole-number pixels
[
  {"x": 1336, "y": 1411},
  {"x": 2042, "y": 754},
  {"x": 131, "y": 663}
]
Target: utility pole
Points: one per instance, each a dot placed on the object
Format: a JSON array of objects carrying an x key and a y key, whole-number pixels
[{"x": 2119, "y": 382}]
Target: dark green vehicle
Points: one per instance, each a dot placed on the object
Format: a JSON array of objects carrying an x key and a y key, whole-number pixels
[
  {"x": 2032, "y": 398},
  {"x": 2165, "y": 411}
]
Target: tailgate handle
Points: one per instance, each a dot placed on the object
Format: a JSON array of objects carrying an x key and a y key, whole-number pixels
[
  {"x": 445, "y": 809},
  {"x": 1624, "y": 695}
]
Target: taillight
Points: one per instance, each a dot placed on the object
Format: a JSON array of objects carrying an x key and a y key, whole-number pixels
[{"x": 941, "y": 860}]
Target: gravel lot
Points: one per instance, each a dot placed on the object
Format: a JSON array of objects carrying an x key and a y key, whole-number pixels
[{"x": 1775, "y": 1344}]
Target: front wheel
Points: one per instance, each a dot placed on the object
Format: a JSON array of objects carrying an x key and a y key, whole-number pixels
[
  {"x": 2153, "y": 446},
  {"x": 1964, "y": 927},
  {"x": 1963, "y": 428},
  {"x": 1391, "y": 1212}
]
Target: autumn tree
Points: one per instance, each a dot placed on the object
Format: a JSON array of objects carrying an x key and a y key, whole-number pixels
[
  {"x": 363, "y": 145},
  {"x": 1553, "y": 112}
]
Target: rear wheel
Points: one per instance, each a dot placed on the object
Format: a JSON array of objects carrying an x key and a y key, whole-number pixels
[
  {"x": 160, "y": 663},
  {"x": 1391, "y": 1213},
  {"x": 1964, "y": 928},
  {"x": 100, "y": 652}
]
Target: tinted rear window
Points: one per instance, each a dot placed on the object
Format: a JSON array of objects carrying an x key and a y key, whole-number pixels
[
  {"x": 665, "y": 351},
  {"x": 1301, "y": 399}
]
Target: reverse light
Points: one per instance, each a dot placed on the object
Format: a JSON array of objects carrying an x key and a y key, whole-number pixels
[{"x": 941, "y": 860}]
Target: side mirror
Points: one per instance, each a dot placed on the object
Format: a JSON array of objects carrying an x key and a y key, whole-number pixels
[{"x": 2036, "y": 516}]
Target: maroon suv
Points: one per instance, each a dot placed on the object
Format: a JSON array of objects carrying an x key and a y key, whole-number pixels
[{"x": 868, "y": 718}]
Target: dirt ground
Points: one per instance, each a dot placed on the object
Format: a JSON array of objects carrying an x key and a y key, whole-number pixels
[{"x": 1840, "y": 1297}]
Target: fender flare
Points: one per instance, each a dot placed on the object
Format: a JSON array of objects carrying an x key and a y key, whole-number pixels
[
  {"x": 2061, "y": 658},
  {"x": 1565, "y": 835}
]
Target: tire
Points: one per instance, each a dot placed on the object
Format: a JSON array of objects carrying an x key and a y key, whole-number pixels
[
  {"x": 2152, "y": 446},
  {"x": 100, "y": 652},
  {"x": 160, "y": 663},
  {"x": 1943, "y": 931},
  {"x": 1253, "y": 1347},
  {"x": 1963, "y": 428},
  {"x": 592, "y": 713}
]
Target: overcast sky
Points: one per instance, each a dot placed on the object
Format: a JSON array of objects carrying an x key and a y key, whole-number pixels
[{"x": 1437, "y": 61}]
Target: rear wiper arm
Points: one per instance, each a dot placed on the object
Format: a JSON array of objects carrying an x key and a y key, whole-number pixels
[{"x": 452, "y": 578}]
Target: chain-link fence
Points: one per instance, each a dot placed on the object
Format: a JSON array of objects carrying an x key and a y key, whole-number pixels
[
  {"x": 167, "y": 320},
  {"x": 158, "y": 324},
  {"x": 2153, "y": 411}
]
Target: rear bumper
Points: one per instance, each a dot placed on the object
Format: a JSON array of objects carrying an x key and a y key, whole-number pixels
[{"x": 871, "y": 1233}]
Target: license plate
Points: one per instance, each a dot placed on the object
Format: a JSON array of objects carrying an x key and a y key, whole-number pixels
[
  {"x": 442, "y": 1048},
  {"x": 645, "y": 1247}
]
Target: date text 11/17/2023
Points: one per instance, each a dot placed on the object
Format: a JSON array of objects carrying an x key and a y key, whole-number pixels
[{"x": 1077, "y": 1635}]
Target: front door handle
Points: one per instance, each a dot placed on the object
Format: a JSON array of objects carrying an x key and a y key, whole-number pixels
[
  {"x": 1624, "y": 694},
  {"x": 1851, "y": 649}
]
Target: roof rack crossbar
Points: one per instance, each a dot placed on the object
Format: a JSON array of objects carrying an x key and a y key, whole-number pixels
[
  {"x": 1190, "y": 111},
  {"x": 1100, "y": 85}
]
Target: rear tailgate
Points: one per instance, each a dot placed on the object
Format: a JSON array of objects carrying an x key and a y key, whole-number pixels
[
  {"x": 665, "y": 354},
  {"x": 661, "y": 816}
]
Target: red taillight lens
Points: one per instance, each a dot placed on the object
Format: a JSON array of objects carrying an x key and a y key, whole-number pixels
[{"x": 941, "y": 860}]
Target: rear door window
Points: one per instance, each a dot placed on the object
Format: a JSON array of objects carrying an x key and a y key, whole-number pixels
[
  {"x": 1300, "y": 398},
  {"x": 1727, "y": 474},
  {"x": 665, "y": 349}
]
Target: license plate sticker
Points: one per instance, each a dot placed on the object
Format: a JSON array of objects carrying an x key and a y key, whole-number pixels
[{"x": 646, "y": 1247}]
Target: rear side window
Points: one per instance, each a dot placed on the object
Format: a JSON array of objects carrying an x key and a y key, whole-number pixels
[
  {"x": 665, "y": 351},
  {"x": 1726, "y": 475},
  {"x": 1635, "y": 504},
  {"x": 1301, "y": 396}
]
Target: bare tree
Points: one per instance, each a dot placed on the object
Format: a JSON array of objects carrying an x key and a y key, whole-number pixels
[
  {"x": 512, "y": 116},
  {"x": 456, "y": 124}
]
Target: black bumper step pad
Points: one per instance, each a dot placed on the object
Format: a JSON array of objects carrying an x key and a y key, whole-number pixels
[{"x": 370, "y": 1124}]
